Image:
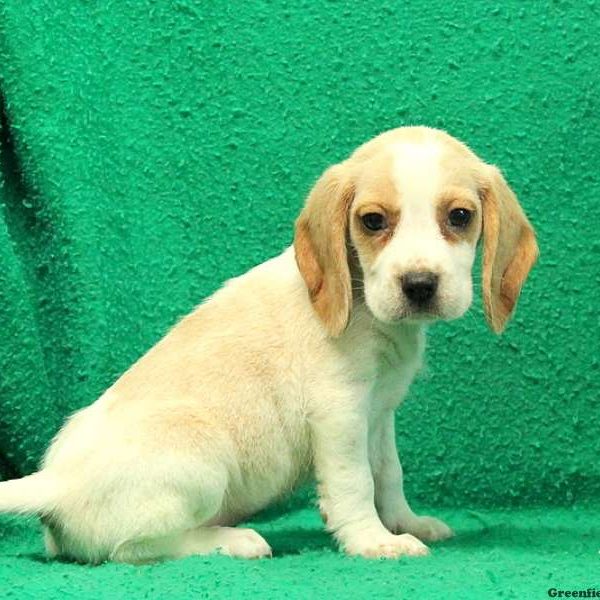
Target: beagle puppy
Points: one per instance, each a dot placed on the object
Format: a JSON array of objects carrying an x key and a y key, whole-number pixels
[{"x": 291, "y": 371}]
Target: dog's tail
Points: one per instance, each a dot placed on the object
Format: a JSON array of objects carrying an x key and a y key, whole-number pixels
[{"x": 34, "y": 494}]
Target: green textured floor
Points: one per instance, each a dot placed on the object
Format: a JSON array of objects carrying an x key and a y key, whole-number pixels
[{"x": 505, "y": 554}]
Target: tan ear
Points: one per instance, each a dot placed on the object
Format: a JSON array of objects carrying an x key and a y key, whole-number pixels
[
  {"x": 320, "y": 246},
  {"x": 509, "y": 249}
]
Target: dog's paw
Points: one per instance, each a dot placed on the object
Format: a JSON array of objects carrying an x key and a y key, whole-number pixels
[
  {"x": 428, "y": 529},
  {"x": 386, "y": 546},
  {"x": 244, "y": 543}
]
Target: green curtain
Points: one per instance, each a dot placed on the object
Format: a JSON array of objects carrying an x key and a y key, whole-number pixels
[{"x": 152, "y": 149}]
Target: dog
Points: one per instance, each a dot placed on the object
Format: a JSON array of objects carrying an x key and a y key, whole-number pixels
[{"x": 292, "y": 371}]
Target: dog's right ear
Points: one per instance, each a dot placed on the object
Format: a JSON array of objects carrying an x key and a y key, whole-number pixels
[{"x": 320, "y": 247}]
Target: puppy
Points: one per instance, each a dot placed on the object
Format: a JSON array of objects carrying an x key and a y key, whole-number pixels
[{"x": 291, "y": 370}]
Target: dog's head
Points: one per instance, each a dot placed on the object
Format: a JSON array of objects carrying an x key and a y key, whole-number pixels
[{"x": 404, "y": 214}]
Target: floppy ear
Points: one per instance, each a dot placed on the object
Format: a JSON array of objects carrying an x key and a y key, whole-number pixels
[
  {"x": 509, "y": 249},
  {"x": 320, "y": 246}
]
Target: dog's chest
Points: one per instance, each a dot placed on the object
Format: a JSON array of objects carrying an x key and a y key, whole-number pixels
[{"x": 399, "y": 355}]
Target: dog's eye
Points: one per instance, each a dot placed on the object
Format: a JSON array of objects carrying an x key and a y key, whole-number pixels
[
  {"x": 374, "y": 221},
  {"x": 459, "y": 217}
]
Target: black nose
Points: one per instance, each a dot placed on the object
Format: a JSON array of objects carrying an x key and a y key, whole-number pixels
[{"x": 419, "y": 286}]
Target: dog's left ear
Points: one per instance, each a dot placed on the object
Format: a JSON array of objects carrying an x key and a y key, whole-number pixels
[
  {"x": 320, "y": 247},
  {"x": 509, "y": 249}
]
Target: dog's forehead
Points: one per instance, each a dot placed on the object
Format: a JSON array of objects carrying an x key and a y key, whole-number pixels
[{"x": 414, "y": 171}]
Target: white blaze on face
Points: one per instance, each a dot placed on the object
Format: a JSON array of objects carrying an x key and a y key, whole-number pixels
[
  {"x": 417, "y": 240},
  {"x": 417, "y": 172},
  {"x": 418, "y": 243}
]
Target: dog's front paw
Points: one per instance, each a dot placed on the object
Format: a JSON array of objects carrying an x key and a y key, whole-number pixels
[
  {"x": 428, "y": 529},
  {"x": 386, "y": 546}
]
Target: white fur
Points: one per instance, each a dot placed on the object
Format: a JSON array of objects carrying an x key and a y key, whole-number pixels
[{"x": 247, "y": 397}]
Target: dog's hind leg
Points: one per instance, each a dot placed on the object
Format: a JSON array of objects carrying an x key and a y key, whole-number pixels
[{"x": 231, "y": 541}]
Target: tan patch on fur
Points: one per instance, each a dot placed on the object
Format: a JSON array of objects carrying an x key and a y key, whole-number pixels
[
  {"x": 382, "y": 143},
  {"x": 509, "y": 250},
  {"x": 451, "y": 199},
  {"x": 320, "y": 247},
  {"x": 375, "y": 192},
  {"x": 370, "y": 243}
]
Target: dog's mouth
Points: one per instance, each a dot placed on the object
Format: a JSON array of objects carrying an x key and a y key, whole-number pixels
[
  {"x": 421, "y": 316},
  {"x": 430, "y": 314}
]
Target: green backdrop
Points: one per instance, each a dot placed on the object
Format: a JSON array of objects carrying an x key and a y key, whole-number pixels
[{"x": 152, "y": 149}]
